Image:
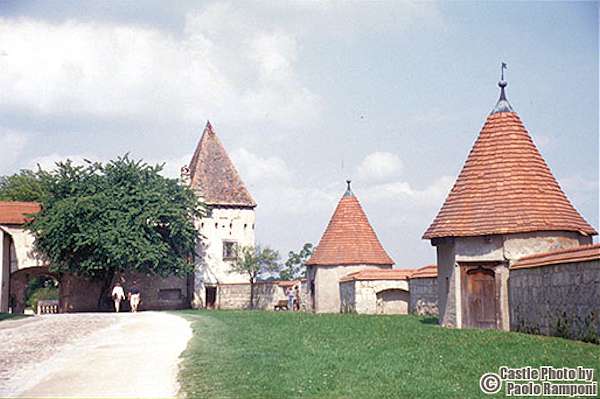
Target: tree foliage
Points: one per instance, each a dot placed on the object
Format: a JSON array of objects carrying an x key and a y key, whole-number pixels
[
  {"x": 123, "y": 216},
  {"x": 27, "y": 185},
  {"x": 254, "y": 261},
  {"x": 295, "y": 266}
]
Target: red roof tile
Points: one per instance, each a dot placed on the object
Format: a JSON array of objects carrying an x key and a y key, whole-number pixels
[
  {"x": 13, "y": 212},
  {"x": 349, "y": 238},
  {"x": 382, "y": 274},
  {"x": 578, "y": 254},
  {"x": 504, "y": 187},
  {"x": 428, "y": 271},
  {"x": 214, "y": 176}
]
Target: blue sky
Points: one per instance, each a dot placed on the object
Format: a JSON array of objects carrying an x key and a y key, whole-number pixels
[{"x": 304, "y": 95}]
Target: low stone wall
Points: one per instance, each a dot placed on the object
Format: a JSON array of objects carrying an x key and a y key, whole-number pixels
[
  {"x": 361, "y": 296},
  {"x": 237, "y": 296},
  {"x": 561, "y": 300},
  {"x": 157, "y": 293},
  {"x": 423, "y": 296}
]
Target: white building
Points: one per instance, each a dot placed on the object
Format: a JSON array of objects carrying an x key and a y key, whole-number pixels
[{"x": 230, "y": 221}]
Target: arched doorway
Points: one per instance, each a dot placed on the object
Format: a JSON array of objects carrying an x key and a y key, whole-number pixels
[
  {"x": 480, "y": 302},
  {"x": 29, "y": 285},
  {"x": 393, "y": 301}
]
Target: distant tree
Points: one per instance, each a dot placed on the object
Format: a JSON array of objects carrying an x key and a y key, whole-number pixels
[
  {"x": 98, "y": 220},
  {"x": 27, "y": 185},
  {"x": 295, "y": 266},
  {"x": 254, "y": 261}
]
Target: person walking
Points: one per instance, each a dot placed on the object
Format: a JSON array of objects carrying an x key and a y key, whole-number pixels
[
  {"x": 134, "y": 297},
  {"x": 118, "y": 295},
  {"x": 297, "y": 298},
  {"x": 290, "y": 298}
]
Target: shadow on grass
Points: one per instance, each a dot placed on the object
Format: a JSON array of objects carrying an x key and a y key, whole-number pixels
[{"x": 429, "y": 320}]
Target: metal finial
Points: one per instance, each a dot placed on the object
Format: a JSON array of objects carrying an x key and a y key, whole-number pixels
[
  {"x": 348, "y": 189},
  {"x": 502, "y": 105}
]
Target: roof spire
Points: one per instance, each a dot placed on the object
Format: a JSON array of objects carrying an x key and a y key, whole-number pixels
[
  {"x": 502, "y": 105},
  {"x": 348, "y": 192},
  {"x": 209, "y": 127}
]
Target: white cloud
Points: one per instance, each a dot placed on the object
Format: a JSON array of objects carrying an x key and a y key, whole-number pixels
[
  {"x": 431, "y": 196},
  {"x": 11, "y": 145},
  {"x": 122, "y": 71},
  {"x": 258, "y": 170},
  {"x": 48, "y": 161},
  {"x": 379, "y": 166}
]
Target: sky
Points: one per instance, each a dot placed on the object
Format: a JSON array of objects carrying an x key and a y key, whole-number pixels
[{"x": 304, "y": 95}]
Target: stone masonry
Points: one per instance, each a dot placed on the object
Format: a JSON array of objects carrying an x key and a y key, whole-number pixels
[
  {"x": 423, "y": 296},
  {"x": 561, "y": 299}
]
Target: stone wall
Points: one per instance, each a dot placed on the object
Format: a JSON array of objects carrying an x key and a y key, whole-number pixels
[
  {"x": 361, "y": 296},
  {"x": 562, "y": 300},
  {"x": 327, "y": 290},
  {"x": 237, "y": 296},
  {"x": 423, "y": 296},
  {"x": 157, "y": 293}
]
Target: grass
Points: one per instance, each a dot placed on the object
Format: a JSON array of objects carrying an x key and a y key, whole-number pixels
[
  {"x": 242, "y": 354},
  {"x": 11, "y": 316}
]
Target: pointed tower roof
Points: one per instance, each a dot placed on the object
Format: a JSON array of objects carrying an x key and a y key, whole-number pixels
[
  {"x": 505, "y": 186},
  {"x": 349, "y": 238},
  {"x": 214, "y": 176}
]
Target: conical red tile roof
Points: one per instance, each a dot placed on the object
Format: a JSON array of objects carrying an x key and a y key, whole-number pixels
[
  {"x": 504, "y": 187},
  {"x": 214, "y": 176},
  {"x": 349, "y": 238}
]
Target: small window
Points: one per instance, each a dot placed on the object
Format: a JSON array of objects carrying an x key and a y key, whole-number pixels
[
  {"x": 252, "y": 226},
  {"x": 245, "y": 226},
  {"x": 230, "y": 225},
  {"x": 202, "y": 225},
  {"x": 229, "y": 250},
  {"x": 216, "y": 225}
]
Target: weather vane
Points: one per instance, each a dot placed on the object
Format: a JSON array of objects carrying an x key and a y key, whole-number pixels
[{"x": 502, "y": 68}]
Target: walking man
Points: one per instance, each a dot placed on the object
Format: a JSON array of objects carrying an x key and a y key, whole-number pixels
[
  {"x": 134, "y": 297},
  {"x": 118, "y": 295}
]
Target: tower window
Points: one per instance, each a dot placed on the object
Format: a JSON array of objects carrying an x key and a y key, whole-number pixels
[
  {"x": 216, "y": 225},
  {"x": 245, "y": 225},
  {"x": 229, "y": 250}
]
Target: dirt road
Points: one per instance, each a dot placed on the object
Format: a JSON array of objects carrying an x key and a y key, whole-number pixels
[{"x": 92, "y": 355}]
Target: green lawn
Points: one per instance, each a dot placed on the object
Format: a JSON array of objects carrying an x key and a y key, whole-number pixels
[
  {"x": 11, "y": 316},
  {"x": 242, "y": 354}
]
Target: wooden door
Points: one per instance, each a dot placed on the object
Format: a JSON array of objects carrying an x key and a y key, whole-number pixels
[{"x": 479, "y": 298}]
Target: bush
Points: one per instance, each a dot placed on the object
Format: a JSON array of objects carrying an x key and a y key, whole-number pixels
[{"x": 41, "y": 294}]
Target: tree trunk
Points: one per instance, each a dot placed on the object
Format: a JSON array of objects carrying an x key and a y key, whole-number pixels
[
  {"x": 251, "y": 293},
  {"x": 104, "y": 292}
]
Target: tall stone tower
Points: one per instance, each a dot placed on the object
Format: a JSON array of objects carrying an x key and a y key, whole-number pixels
[
  {"x": 505, "y": 204},
  {"x": 229, "y": 223}
]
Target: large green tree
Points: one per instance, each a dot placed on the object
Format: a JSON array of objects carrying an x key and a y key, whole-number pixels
[
  {"x": 295, "y": 266},
  {"x": 254, "y": 261},
  {"x": 98, "y": 220}
]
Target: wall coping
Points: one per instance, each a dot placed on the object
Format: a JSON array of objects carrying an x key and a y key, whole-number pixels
[{"x": 582, "y": 253}]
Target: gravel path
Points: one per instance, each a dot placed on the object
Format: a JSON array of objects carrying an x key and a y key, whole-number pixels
[{"x": 92, "y": 355}]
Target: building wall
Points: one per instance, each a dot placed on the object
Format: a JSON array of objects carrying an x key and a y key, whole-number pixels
[
  {"x": 347, "y": 296},
  {"x": 423, "y": 296},
  {"x": 157, "y": 293},
  {"x": 499, "y": 248},
  {"x": 237, "y": 296},
  {"x": 365, "y": 294},
  {"x": 223, "y": 223},
  {"x": 327, "y": 292},
  {"x": 561, "y": 300}
]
